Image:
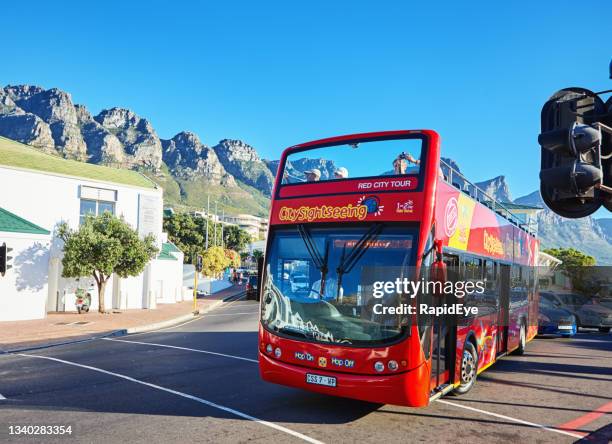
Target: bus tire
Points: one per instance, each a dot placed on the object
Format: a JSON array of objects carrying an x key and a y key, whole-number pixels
[
  {"x": 522, "y": 340},
  {"x": 469, "y": 369}
]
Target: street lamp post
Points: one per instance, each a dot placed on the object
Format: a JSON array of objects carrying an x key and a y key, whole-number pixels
[
  {"x": 214, "y": 223},
  {"x": 207, "y": 217}
]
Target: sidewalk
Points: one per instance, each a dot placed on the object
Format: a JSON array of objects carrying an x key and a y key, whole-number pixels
[{"x": 59, "y": 328}]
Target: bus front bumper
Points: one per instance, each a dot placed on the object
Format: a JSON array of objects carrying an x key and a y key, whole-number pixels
[{"x": 409, "y": 388}]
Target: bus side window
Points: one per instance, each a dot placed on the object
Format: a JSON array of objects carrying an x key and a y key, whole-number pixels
[
  {"x": 491, "y": 294},
  {"x": 472, "y": 271}
]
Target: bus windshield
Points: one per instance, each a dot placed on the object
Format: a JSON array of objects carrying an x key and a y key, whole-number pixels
[
  {"x": 318, "y": 282},
  {"x": 354, "y": 160}
]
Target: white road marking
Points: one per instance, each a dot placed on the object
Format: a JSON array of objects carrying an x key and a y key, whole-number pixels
[
  {"x": 184, "y": 395},
  {"x": 232, "y": 314},
  {"x": 183, "y": 348},
  {"x": 233, "y": 301},
  {"x": 187, "y": 322},
  {"x": 2, "y": 398},
  {"x": 509, "y": 418}
]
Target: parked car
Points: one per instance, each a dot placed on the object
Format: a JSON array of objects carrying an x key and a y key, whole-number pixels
[
  {"x": 553, "y": 320},
  {"x": 588, "y": 311},
  {"x": 251, "y": 286},
  {"x": 299, "y": 282},
  {"x": 605, "y": 296}
]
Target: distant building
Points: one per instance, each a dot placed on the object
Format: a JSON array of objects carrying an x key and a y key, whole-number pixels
[
  {"x": 254, "y": 225},
  {"x": 39, "y": 192},
  {"x": 527, "y": 214}
]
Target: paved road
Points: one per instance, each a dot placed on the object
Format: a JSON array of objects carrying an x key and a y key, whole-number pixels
[{"x": 199, "y": 382}]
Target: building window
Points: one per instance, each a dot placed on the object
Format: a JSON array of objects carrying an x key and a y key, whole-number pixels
[{"x": 95, "y": 208}]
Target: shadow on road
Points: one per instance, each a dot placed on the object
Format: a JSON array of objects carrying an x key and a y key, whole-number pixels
[{"x": 42, "y": 385}]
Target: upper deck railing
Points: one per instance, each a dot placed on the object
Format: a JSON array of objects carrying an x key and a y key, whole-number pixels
[{"x": 459, "y": 181}]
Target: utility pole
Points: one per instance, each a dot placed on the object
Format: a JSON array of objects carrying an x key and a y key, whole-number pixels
[
  {"x": 207, "y": 217},
  {"x": 214, "y": 223},
  {"x": 222, "y": 220}
]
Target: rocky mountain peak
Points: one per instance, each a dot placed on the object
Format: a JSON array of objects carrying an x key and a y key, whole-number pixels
[
  {"x": 187, "y": 140},
  {"x": 242, "y": 161},
  {"x": 139, "y": 139},
  {"x": 83, "y": 114},
  {"x": 497, "y": 188},
  {"x": 117, "y": 119},
  {"x": 38, "y": 113},
  {"x": 22, "y": 92},
  {"x": 191, "y": 160},
  {"x": 236, "y": 150}
]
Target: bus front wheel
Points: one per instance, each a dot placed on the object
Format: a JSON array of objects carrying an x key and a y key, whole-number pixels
[{"x": 469, "y": 369}]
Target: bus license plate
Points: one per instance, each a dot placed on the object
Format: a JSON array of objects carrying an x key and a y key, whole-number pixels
[{"x": 320, "y": 380}]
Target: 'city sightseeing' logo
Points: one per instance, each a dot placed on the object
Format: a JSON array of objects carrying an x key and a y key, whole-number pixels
[
  {"x": 372, "y": 203},
  {"x": 492, "y": 244},
  {"x": 451, "y": 216},
  {"x": 305, "y": 213}
]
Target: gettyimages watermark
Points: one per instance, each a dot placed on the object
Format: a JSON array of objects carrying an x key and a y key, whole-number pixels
[
  {"x": 407, "y": 288},
  {"x": 484, "y": 289}
]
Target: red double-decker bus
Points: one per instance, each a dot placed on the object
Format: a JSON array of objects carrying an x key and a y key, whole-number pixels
[{"x": 350, "y": 211}]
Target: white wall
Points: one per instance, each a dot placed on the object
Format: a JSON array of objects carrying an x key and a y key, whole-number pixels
[
  {"x": 46, "y": 199},
  {"x": 23, "y": 289},
  {"x": 167, "y": 280}
]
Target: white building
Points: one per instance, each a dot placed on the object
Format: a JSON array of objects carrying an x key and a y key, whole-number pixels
[
  {"x": 254, "y": 225},
  {"x": 39, "y": 192}
]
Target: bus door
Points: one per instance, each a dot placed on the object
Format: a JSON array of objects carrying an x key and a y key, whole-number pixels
[
  {"x": 504, "y": 307},
  {"x": 443, "y": 334}
]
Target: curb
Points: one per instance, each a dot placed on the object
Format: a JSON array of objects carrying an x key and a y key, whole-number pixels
[{"x": 132, "y": 330}]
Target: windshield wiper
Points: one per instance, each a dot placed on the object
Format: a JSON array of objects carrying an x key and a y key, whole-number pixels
[
  {"x": 292, "y": 331},
  {"x": 348, "y": 262},
  {"x": 319, "y": 261}
]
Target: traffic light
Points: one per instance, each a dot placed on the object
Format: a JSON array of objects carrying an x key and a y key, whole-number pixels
[
  {"x": 199, "y": 264},
  {"x": 576, "y": 153},
  {"x": 5, "y": 259}
]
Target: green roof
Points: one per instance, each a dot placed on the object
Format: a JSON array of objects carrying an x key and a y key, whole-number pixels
[
  {"x": 12, "y": 223},
  {"x": 513, "y": 206},
  {"x": 167, "y": 250},
  {"x": 15, "y": 154},
  {"x": 510, "y": 205},
  {"x": 170, "y": 248}
]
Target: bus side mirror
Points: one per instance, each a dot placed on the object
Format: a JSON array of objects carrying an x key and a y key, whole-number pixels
[{"x": 438, "y": 268}]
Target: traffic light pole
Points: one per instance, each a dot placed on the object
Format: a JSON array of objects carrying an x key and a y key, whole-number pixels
[{"x": 195, "y": 290}]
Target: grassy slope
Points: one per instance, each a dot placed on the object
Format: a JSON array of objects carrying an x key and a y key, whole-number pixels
[
  {"x": 15, "y": 154},
  {"x": 181, "y": 195},
  {"x": 185, "y": 195}
]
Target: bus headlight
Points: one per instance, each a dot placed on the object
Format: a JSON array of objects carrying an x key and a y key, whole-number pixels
[
  {"x": 392, "y": 365},
  {"x": 277, "y": 352},
  {"x": 379, "y": 366},
  {"x": 269, "y": 348}
]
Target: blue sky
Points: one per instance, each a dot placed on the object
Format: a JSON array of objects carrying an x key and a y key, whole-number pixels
[{"x": 278, "y": 73}]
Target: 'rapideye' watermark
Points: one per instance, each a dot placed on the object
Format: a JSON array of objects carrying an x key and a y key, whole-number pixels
[{"x": 411, "y": 289}]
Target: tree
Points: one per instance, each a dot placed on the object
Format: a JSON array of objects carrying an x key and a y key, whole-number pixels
[
  {"x": 187, "y": 234},
  {"x": 104, "y": 245},
  {"x": 214, "y": 261},
  {"x": 235, "y": 238},
  {"x": 575, "y": 265},
  {"x": 233, "y": 257},
  {"x": 257, "y": 254}
]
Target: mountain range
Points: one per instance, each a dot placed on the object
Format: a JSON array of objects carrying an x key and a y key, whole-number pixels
[{"x": 230, "y": 172}]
